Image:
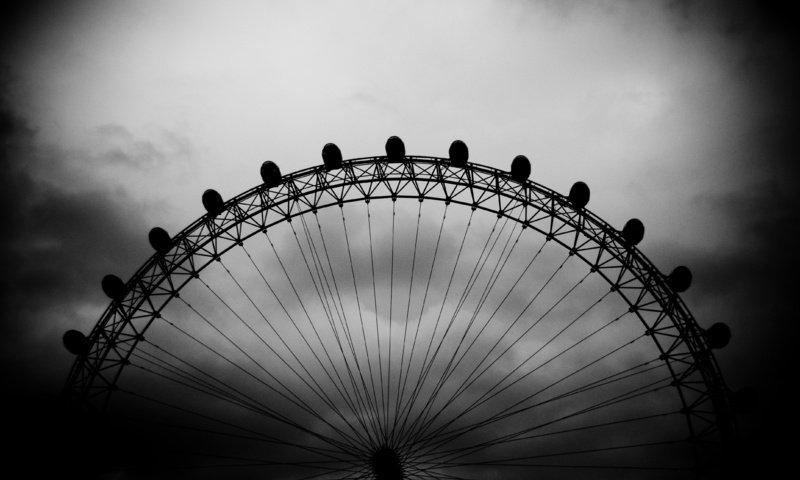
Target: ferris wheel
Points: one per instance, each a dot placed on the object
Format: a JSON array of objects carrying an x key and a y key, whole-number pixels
[{"x": 400, "y": 317}]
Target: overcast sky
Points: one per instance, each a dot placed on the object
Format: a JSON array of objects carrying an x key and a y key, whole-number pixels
[{"x": 117, "y": 115}]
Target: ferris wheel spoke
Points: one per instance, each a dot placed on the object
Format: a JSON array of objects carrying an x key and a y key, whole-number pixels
[
  {"x": 261, "y": 339},
  {"x": 471, "y": 282},
  {"x": 516, "y": 409},
  {"x": 391, "y": 311},
  {"x": 325, "y": 282},
  {"x": 491, "y": 393},
  {"x": 427, "y": 363},
  {"x": 633, "y": 393},
  {"x": 219, "y": 385},
  {"x": 254, "y": 436},
  {"x": 319, "y": 390},
  {"x": 493, "y": 278},
  {"x": 478, "y": 270},
  {"x": 351, "y": 474},
  {"x": 451, "y": 367},
  {"x": 573, "y": 466},
  {"x": 229, "y": 394},
  {"x": 238, "y": 461},
  {"x": 227, "y": 359},
  {"x": 494, "y": 313},
  {"x": 422, "y": 427},
  {"x": 234, "y": 396},
  {"x": 470, "y": 450},
  {"x": 361, "y": 393},
  {"x": 487, "y": 323},
  {"x": 241, "y": 464},
  {"x": 454, "y": 454},
  {"x": 416, "y": 471},
  {"x": 313, "y": 351},
  {"x": 343, "y": 321},
  {"x": 317, "y": 282},
  {"x": 333, "y": 293},
  {"x": 609, "y": 380},
  {"x": 400, "y": 382},
  {"x": 286, "y": 392},
  {"x": 182, "y": 374},
  {"x": 187, "y": 383},
  {"x": 372, "y": 410},
  {"x": 518, "y": 461},
  {"x": 381, "y": 422},
  {"x": 247, "y": 406},
  {"x": 404, "y": 409},
  {"x": 338, "y": 445}
]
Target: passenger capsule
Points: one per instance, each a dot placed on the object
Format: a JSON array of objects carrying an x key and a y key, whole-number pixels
[
  {"x": 212, "y": 201},
  {"x": 718, "y": 335},
  {"x": 395, "y": 149},
  {"x": 159, "y": 240},
  {"x": 331, "y": 156},
  {"x": 113, "y": 287},
  {"x": 459, "y": 153},
  {"x": 680, "y": 279},
  {"x": 270, "y": 174},
  {"x": 633, "y": 231},
  {"x": 76, "y": 342},
  {"x": 744, "y": 400},
  {"x": 579, "y": 195},
  {"x": 520, "y": 168}
]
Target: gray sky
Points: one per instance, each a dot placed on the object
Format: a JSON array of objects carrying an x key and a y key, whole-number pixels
[{"x": 117, "y": 115}]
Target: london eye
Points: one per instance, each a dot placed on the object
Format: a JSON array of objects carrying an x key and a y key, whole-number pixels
[{"x": 401, "y": 317}]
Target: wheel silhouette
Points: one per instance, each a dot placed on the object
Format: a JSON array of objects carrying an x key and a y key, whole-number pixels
[{"x": 402, "y": 317}]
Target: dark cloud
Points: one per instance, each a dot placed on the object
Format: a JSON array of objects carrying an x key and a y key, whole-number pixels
[
  {"x": 23, "y": 23},
  {"x": 739, "y": 18},
  {"x": 747, "y": 280},
  {"x": 55, "y": 248},
  {"x": 748, "y": 283}
]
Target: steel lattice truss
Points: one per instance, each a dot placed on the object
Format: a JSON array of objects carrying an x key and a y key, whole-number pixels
[{"x": 664, "y": 316}]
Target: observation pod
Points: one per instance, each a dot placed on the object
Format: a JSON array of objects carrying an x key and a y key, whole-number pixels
[
  {"x": 718, "y": 335},
  {"x": 680, "y": 279},
  {"x": 271, "y": 174},
  {"x": 579, "y": 195},
  {"x": 520, "y": 168},
  {"x": 395, "y": 149},
  {"x": 331, "y": 156},
  {"x": 633, "y": 232},
  {"x": 76, "y": 342},
  {"x": 459, "y": 153},
  {"x": 113, "y": 287},
  {"x": 159, "y": 240},
  {"x": 212, "y": 201}
]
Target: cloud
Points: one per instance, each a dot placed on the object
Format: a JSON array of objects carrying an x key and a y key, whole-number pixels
[
  {"x": 116, "y": 144},
  {"x": 731, "y": 63},
  {"x": 57, "y": 246},
  {"x": 738, "y": 18}
]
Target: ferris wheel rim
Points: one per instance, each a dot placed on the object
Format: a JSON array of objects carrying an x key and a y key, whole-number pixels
[{"x": 207, "y": 229}]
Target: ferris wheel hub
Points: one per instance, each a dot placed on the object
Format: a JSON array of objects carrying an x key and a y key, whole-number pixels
[{"x": 386, "y": 464}]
